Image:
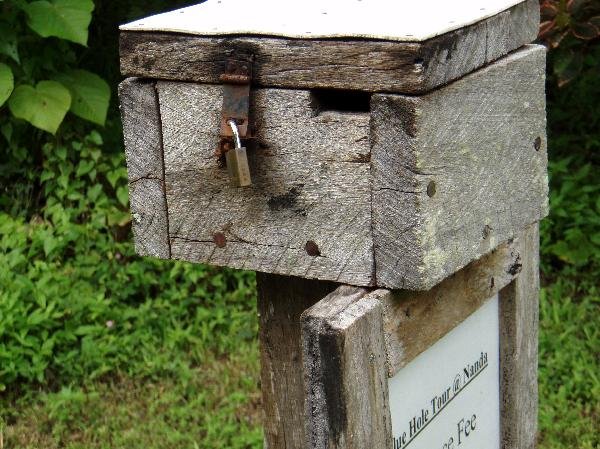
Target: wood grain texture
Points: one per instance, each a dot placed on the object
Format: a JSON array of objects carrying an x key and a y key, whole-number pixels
[
  {"x": 311, "y": 183},
  {"x": 519, "y": 319},
  {"x": 368, "y": 65},
  {"x": 281, "y": 300},
  {"x": 345, "y": 378},
  {"x": 142, "y": 134},
  {"x": 456, "y": 171},
  {"x": 413, "y": 321}
]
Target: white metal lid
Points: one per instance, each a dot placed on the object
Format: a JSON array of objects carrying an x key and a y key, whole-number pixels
[{"x": 394, "y": 20}]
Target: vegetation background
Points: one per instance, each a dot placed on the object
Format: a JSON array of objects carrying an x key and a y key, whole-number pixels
[{"x": 103, "y": 349}]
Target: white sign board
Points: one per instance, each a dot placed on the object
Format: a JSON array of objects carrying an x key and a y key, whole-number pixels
[{"x": 449, "y": 396}]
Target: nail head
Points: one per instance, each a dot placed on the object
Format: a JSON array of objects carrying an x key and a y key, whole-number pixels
[
  {"x": 431, "y": 189},
  {"x": 312, "y": 249},
  {"x": 219, "y": 239}
]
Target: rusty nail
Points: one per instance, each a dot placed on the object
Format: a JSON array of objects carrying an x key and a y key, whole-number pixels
[
  {"x": 312, "y": 249},
  {"x": 537, "y": 143},
  {"x": 219, "y": 239},
  {"x": 431, "y": 189}
]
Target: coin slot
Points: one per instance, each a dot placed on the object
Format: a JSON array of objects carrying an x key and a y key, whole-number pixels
[{"x": 336, "y": 100}]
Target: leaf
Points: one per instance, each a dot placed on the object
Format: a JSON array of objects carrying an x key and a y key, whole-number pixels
[
  {"x": 50, "y": 243},
  {"x": 66, "y": 19},
  {"x": 567, "y": 66},
  {"x": 8, "y": 43},
  {"x": 84, "y": 167},
  {"x": 44, "y": 106},
  {"x": 95, "y": 138},
  {"x": 94, "y": 192},
  {"x": 7, "y": 131},
  {"x": 585, "y": 30},
  {"x": 119, "y": 218},
  {"x": 546, "y": 28},
  {"x": 114, "y": 176},
  {"x": 123, "y": 195},
  {"x": 90, "y": 93},
  {"x": 7, "y": 83},
  {"x": 548, "y": 10},
  {"x": 574, "y": 6},
  {"x": 595, "y": 238}
]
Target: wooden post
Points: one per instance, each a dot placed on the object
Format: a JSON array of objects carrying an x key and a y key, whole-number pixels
[
  {"x": 519, "y": 349},
  {"x": 281, "y": 301}
]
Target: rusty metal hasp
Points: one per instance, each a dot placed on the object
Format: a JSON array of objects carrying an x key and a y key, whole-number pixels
[{"x": 234, "y": 126}]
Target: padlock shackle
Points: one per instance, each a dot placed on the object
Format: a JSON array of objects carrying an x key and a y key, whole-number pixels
[{"x": 236, "y": 132}]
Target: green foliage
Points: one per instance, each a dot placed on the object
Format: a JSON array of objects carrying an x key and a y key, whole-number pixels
[
  {"x": 572, "y": 232},
  {"x": 569, "y": 379},
  {"x": 8, "y": 42},
  {"x": 44, "y": 106},
  {"x": 26, "y": 29},
  {"x": 6, "y": 83},
  {"x": 570, "y": 248},
  {"x": 65, "y": 19},
  {"x": 218, "y": 407},
  {"x": 569, "y": 28},
  {"x": 90, "y": 94}
]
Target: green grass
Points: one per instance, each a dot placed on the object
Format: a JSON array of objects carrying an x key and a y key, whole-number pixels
[
  {"x": 569, "y": 374},
  {"x": 218, "y": 406}
]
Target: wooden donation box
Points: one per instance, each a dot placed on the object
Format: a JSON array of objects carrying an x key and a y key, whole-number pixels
[{"x": 381, "y": 165}]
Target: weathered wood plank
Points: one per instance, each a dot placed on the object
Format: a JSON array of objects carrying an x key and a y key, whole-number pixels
[
  {"x": 519, "y": 319},
  {"x": 345, "y": 376},
  {"x": 413, "y": 321},
  {"x": 281, "y": 300},
  {"x": 458, "y": 170},
  {"x": 311, "y": 183},
  {"x": 142, "y": 133},
  {"x": 368, "y": 65}
]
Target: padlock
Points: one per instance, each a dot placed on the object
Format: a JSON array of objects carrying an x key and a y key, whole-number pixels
[{"x": 237, "y": 160}]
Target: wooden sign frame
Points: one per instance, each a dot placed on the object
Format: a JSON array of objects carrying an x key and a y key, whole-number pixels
[{"x": 337, "y": 355}]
